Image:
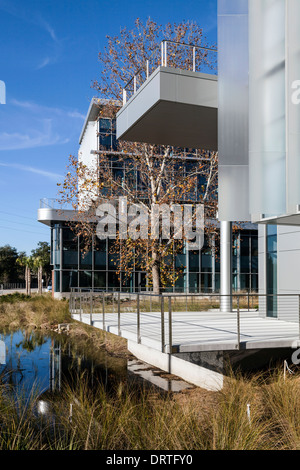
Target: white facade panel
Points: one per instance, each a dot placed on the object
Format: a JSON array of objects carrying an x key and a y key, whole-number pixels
[
  {"x": 293, "y": 103},
  {"x": 233, "y": 191},
  {"x": 89, "y": 143},
  {"x": 267, "y": 114},
  {"x": 233, "y": 110}
]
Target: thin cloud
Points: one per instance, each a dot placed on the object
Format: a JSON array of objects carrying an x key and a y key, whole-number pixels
[
  {"x": 44, "y": 63},
  {"x": 33, "y": 18},
  {"x": 47, "y": 174},
  {"x": 37, "y": 108},
  {"x": 31, "y": 138},
  {"x": 47, "y": 27},
  {"x": 39, "y": 125}
]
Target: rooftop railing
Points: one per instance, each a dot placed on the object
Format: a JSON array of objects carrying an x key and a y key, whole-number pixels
[
  {"x": 191, "y": 57},
  {"x": 52, "y": 203}
]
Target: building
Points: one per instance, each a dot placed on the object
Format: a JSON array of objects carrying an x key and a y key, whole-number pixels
[
  {"x": 261, "y": 94},
  {"x": 256, "y": 95},
  {"x": 98, "y": 269},
  {"x": 250, "y": 113}
]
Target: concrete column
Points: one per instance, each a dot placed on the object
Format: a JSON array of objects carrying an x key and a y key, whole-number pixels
[{"x": 226, "y": 266}]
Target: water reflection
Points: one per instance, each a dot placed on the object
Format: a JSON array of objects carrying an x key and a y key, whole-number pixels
[{"x": 44, "y": 363}]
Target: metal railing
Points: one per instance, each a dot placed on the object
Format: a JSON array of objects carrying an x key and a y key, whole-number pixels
[
  {"x": 52, "y": 203},
  {"x": 12, "y": 285},
  {"x": 93, "y": 306},
  {"x": 166, "y": 54}
]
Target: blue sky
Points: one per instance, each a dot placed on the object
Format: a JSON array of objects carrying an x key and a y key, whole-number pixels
[{"x": 48, "y": 60}]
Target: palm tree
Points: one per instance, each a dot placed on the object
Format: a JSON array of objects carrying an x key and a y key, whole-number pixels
[{"x": 27, "y": 262}]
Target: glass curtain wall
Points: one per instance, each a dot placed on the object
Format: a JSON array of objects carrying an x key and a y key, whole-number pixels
[
  {"x": 271, "y": 270},
  {"x": 98, "y": 267}
]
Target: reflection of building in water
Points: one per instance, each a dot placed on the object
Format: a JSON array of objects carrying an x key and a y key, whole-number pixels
[
  {"x": 69, "y": 364},
  {"x": 2, "y": 352},
  {"x": 55, "y": 364}
]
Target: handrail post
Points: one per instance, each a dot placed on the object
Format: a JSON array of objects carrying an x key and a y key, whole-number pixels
[
  {"x": 166, "y": 60},
  {"x": 80, "y": 303},
  {"x": 138, "y": 319},
  {"x": 91, "y": 306},
  {"x": 124, "y": 96},
  {"x": 170, "y": 329},
  {"x": 248, "y": 300},
  {"x": 119, "y": 314},
  {"x": 103, "y": 311},
  {"x": 70, "y": 302},
  {"x": 238, "y": 323},
  {"x": 147, "y": 69},
  {"x": 134, "y": 84},
  {"x": 194, "y": 59},
  {"x": 162, "y": 317},
  {"x": 162, "y": 53}
]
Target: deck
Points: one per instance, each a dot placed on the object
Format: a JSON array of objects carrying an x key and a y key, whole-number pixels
[{"x": 198, "y": 331}]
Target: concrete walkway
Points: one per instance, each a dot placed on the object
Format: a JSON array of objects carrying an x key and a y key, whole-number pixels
[{"x": 199, "y": 331}]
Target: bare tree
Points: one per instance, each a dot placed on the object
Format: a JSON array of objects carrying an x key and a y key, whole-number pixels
[{"x": 151, "y": 176}]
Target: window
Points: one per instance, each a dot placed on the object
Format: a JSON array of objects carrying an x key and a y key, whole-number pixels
[
  {"x": 70, "y": 249},
  {"x": 107, "y": 134},
  {"x": 271, "y": 270}
]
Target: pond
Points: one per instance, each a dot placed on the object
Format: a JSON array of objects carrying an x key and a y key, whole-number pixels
[
  {"x": 39, "y": 362},
  {"x": 43, "y": 362}
]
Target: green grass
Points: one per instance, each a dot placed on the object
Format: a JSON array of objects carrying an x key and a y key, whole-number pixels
[
  {"x": 135, "y": 420},
  {"x": 19, "y": 311},
  {"x": 178, "y": 304},
  {"x": 13, "y": 298},
  {"x": 131, "y": 420}
]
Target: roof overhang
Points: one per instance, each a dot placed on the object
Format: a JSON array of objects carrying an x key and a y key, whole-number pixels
[
  {"x": 48, "y": 216},
  {"x": 173, "y": 107},
  {"x": 285, "y": 219}
]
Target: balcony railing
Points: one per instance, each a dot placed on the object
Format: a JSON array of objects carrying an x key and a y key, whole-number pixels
[
  {"x": 191, "y": 58},
  {"x": 52, "y": 203},
  {"x": 174, "y": 319}
]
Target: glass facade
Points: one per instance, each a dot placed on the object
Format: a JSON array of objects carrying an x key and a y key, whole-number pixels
[
  {"x": 271, "y": 270},
  {"x": 107, "y": 134},
  {"x": 123, "y": 170},
  {"x": 98, "y": 267},
  {"x": 199, "y": 271}
]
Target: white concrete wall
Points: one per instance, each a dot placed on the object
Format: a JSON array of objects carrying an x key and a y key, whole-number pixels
[
  {"x": 89, "y": 142},
  {"x": 288, "y": 271},
  {"x": 193, "y": 373}
]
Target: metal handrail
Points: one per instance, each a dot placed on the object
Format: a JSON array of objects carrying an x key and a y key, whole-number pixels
[
  {"x": 164, "y": 62},
  {"x": 52, "y": 203},
  {"x": 89, "y": 295}
]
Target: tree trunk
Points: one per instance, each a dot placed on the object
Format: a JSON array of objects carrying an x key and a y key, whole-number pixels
[
  {"x": 28, "y": 280},
  {"x": 40, "y": 280},
  {"x": 156, "y": 272}
]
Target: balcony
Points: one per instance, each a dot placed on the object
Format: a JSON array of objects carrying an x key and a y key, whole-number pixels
[
  {"x": 172, "y": 107},
  {"x": 51, "y": 210}
]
